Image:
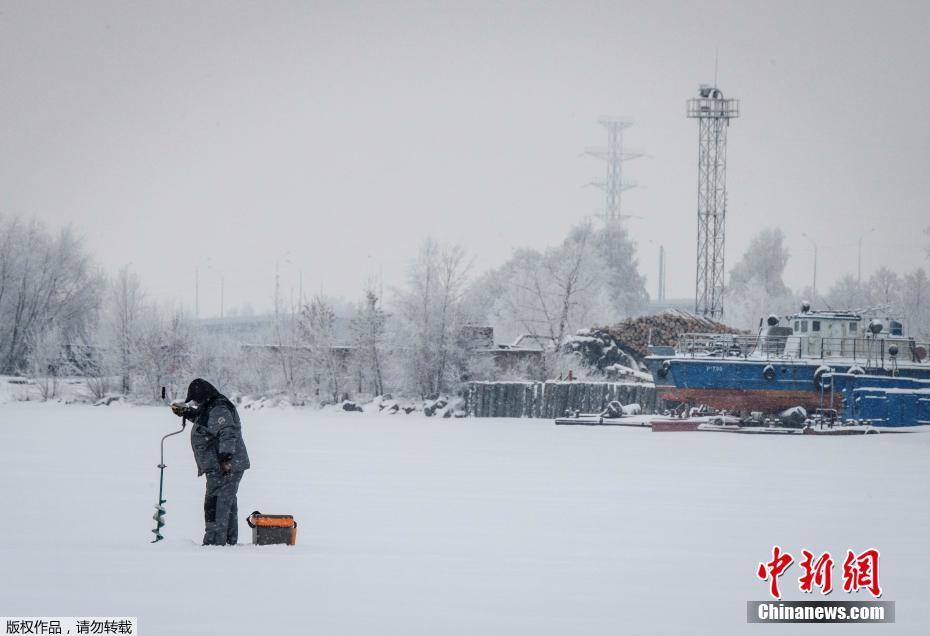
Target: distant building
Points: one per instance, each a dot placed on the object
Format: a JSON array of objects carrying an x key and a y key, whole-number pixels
[
  {"x": 525, "y": 352},
  {"x": 260, "y": 328}
]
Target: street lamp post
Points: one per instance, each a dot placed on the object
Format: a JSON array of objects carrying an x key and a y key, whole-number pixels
[
  {"x": 285, "y": 258},
  {"x": 210, "y": 265},
  {"x": 814, "y": 243},
  {"x": 859, "y": 257},
  {"x": 660, "y": 283}
]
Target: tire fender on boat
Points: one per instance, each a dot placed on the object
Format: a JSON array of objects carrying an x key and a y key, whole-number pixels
[
  {"x": 769, "y": 372},
  {"x": 819, "y": 382}
]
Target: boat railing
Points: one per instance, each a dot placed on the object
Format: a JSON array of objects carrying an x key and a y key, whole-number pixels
[{"x": 870, "y": 351}]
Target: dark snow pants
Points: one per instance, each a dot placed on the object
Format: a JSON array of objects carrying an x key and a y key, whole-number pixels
[{"x": 220, "y": 509}]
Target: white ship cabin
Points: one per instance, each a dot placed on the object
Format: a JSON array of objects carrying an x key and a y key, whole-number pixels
[{"x": 818, "y": 334}]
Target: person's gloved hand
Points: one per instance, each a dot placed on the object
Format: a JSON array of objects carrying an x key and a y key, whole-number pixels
[
  {"x": 225, "y": 463},
  {"x": 182, "y": 409}
]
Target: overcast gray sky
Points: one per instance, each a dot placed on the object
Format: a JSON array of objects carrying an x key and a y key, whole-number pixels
[{"x": 334, "y": 136}]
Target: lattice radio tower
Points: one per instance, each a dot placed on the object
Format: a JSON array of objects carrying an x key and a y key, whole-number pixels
[
  {"x": 613, "y": 185},
  {"x": 713, "y": 113}
]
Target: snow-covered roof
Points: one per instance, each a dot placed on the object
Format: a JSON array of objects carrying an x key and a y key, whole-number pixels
[{"x": 827, "y": 315}]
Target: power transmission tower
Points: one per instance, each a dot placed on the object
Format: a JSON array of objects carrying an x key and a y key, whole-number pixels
[
  {"x": 713, "y": 113},
  {"x": 614, "y": 155}
]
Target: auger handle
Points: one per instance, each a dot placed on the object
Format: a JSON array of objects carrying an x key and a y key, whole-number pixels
[{"x": 183, "y": 426}]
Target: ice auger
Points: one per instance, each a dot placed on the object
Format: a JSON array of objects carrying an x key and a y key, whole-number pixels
[{"x": 159, "y": 515}]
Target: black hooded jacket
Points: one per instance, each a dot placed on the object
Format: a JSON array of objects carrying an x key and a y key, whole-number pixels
[{"x": 217, "y": 432}]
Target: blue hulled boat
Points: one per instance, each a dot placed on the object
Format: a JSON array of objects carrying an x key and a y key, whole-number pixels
[
  {"x": 882, "y": 400},
  {"x": 786, "y": 364}
]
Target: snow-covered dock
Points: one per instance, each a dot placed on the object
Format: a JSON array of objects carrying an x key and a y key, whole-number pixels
[{"x": 591, "y": 419}]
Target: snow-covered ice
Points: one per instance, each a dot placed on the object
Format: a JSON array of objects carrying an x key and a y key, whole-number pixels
[{"x": 409, "y": 525}]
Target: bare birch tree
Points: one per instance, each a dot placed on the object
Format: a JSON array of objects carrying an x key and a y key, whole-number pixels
[
  {"x": 431, "y": 315},
  {"x": 121, "y": 327},
  {"x": 318, "y": 334},
  {"x": 368, "y": 334}
]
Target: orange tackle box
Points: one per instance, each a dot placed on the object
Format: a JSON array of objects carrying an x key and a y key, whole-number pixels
[{"x": 272, "y": 529}]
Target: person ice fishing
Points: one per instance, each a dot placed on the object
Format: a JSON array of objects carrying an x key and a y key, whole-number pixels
[{"x": 220, "y": 453}]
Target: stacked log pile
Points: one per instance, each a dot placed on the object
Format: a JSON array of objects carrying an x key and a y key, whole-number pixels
[
  {"x": 552, "y": 399},
  {"x": 633, "y": 335}
]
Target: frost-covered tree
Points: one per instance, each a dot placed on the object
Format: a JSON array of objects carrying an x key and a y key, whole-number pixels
[
  {"x": 756, "y": 286},
  {"x": 453, "y": 272},
  {"x": 45, "y": 280},
  {"x": 431, "y": 314},
  {"x": 163, "y": 351},
  {"x": 517, "y": 297},
  {"x": 548, "y": 295},
  {"x": 883, "y": 288},
  {"x": 907, "y": 297},
  {"x": 223, "y": 359},
  {"x": 46, "y": 360},
  {"x": 590, "y": 277},
  {"x": 369, "y": 333},
  {"x": 763, "y": 263},
  {"x": 624, "y": 284},
  {"x": 138, "y": 347},
  {"x": 120, "y": 328},
  {"x": 915, "y": 302},
  {"x": 576, "y": 271},
  {"x": 747, "y": 306},
  {"x": 847, "y": 293},
  {"x": 318, "y": 334},
  {"x": 287, "y": 346}
]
